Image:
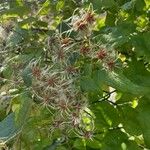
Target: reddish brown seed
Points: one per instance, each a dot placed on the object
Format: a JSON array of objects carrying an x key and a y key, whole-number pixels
[
  {"x": 57, "y": 123},
  {"x": 77, "y": 106},
  {"x": 88, "y": 134},
  {"x": 111, "y": 64},
  {"x": 65, "y": 41},
  {"x": 84, "y": 50},
  {"x": 63, "y": 105},
  {"x": 46, "y": 99},
  {"x": 51, "y": 81},
  {"x": 90, "y": 17},
  {"x": 101, "y": 54},
  {"x": 81, "y": 25},
  {"x": 75, "y": 115},
  {"x": 36, "y": 72},
  {"x": 71, "y": 69},
  {"x": 60, "y": 55}
]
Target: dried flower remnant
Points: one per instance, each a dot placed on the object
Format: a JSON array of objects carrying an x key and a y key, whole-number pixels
[
  {"x": 88, "y": 135},
  {"x": 75, "y": 119},
  {"x": 36, "y": 72},
  {"x": 65, "y": 41},
  {"x": 84, "y": 50},
  {"x": 82, "y": 133},
  {"x": 81, "y": 26},
  {"x": 52, "y": 81},
  {"x": 101, "y": 54},
  {"x": 83, "y": 22},
  {"x": 71, "y": 69},
  {"x": 90, "y": 17},
  {"x": 60, "y": 54},
  {"x": 111, "y": 64},
  {"x": 77, "y": 106},
  {"x": 63, "y": 106},
  {"x": 57, "y": 123},
  {"x": 46, "y": 101}
]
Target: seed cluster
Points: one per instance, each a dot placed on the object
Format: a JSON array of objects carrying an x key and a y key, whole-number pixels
[
  {"x": 56, "y": 92},
  {"x": 108, "y": 59},
  {"x": 83, "y": 23},
  {"x": 56, "y": 85}
]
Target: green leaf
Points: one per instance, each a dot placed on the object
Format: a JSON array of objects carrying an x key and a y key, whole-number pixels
[
  {"x": 8, "y": 128},
  {"x": 92, "y": 81},
  {"x": 55, "y": 144},
  {"x": 124, "y": 98},
  {"x": 129, "y": 121},
  {"x": 100, "y": 4},
  {"x": 44, "y": 8},
  {"x": 93, "y": 144},
  {"x": 131, "y": 145},
  {"x": 7, "y": 71},
  {"x": 121, "y": 83},
  {"x": 87, "y": 69},
  {"x": 27, "y": 76},
  {"x": 114, "y": 139},
  {"x": 129, "y": 5},
  {"x": 15, "y": 12},
  {"x": 110, "y": 19},
  {"x": 144, "y": 119},
  {"x": 88, "y": 84},
  {"x": 15, "y": 3},
  {"x": 141, "y": 44},
  {"x": 106, "y": 115},
  {"x": 40, "y": 24},
  {"x": 139, "y": 5},
  {"x": 21, "y": 113},
  {"x": 108, "y": 3},
  {"x": 99, "y": 77},
  {"x": 138, "y": 73},
  {"x": 17, "y": 36},
  {"x": 27, "y": 21},
  {"x": 25, "y": 58},
  {"x": 60, "y": 5},
  {"x": 79, "y": 144}
]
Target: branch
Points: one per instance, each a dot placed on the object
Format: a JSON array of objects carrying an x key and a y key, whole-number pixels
[{"x": 105, "y": 98}]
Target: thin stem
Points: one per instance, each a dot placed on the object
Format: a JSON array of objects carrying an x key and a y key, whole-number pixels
[
  {"x": 105, "y": 98},
  {"x": 110, "y": 129}
]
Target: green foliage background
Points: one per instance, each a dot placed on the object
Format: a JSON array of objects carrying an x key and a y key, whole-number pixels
[{"x": 121, "y": 125}]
